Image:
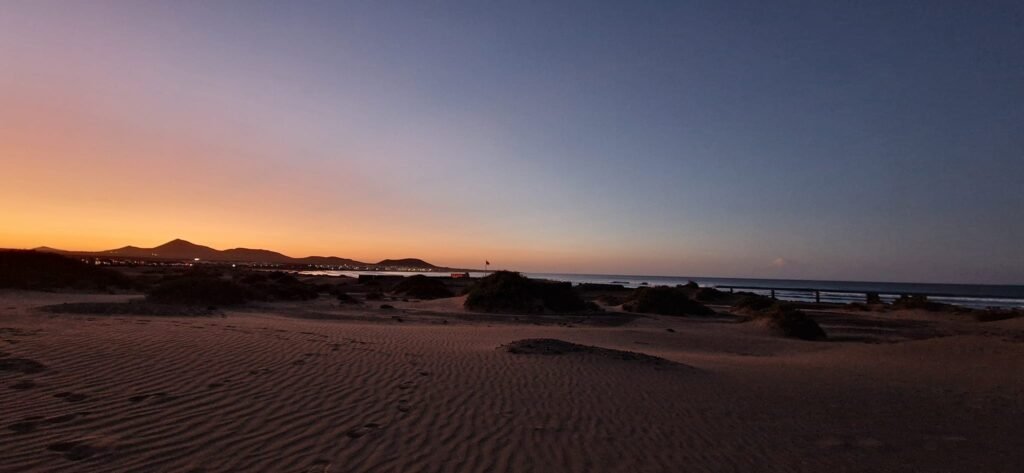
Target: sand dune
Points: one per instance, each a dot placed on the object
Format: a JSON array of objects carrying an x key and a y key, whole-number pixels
[{"x": 257, "y": 391}]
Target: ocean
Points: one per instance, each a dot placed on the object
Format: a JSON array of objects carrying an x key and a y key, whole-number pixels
[{"x": 978, "y": 296}]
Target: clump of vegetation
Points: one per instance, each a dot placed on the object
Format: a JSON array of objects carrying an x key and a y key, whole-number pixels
[
  {"x": 755, "y": 302},
  {"x": 344, "y": 298},
  {"x": 793, "y": 323},
  {"x": 919, "y": 302},
  {"x": 993, "y": 315},
  {"x": 278, "y": 286},
  {"x": 785, "y": 318},
  {"x": 709, "y": 294},
  {"x": 665, "y": 301},
  {"x": 691, "y": 285},
  {"x": 374, "y": 296},
  {"x": 612, "y": 299},
  {"x": 423, "y": 287},
  {"x": 199, "y": 291},
  {"x": 209, "y": 287},
  {"x": 506, "y": 291},
  {"x": 22, "y": 269}
]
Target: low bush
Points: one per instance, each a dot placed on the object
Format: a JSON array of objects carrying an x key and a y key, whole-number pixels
[
  {"x": 918, "y": 302},
  {"x": 665, "y": 301},
  {"x": 199, "y": 290},
  {"x": 755, "y": 302},
  {"x": 208, "y": 287},
  {"x": 709, "y": 294},
  {"x": 794, "y": 323},
  {"x": 506, "y": 291},
  {"x": 993, "y": 315},
  {"x": 278, "y": 286},
  {"x": 22, "y": 269},
  {"x": 423, "y": 287},
  {"x": 344, "y": 298}
]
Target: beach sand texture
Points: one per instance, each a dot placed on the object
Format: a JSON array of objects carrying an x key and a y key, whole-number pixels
[{"x": 323, "y": 388}]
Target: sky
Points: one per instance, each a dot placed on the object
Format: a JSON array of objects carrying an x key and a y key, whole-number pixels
[{"x": 860, "y": 140}]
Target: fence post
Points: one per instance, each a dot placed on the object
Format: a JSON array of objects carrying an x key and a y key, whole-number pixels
[{"x": 817, "y": 297}]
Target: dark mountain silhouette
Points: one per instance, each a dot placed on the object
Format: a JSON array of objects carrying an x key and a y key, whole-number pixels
[
  {"x": 47, "y": 249},
  {"x": 407, "y": 263},
  {"x": 330, "y": 261},
  {"x": 179, "y": 249}
]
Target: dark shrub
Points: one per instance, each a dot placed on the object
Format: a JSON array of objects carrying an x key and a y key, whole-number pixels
[
  {"x": 277, "y": 286},
  {"x": 254, "y": 277},
  {"x": 755, "y": 302},
  {"x": 560, "y": 297},
  {"x": 612, "y": 299},
  {"x": 709, "y": 294},
  {"x": 344, "y": 298},
  {"x": 374, "y": 296},
  {"x": 506, "y": 291},
  {"x": 199, "y": 290},
  {"x": 917, "y": 302},
  {"x": 34, "y": 270},
  {"x": 872, "y": 298},
  {"x": 992, "y": 315},
  {"x": 387, "y": 306},
  {"x": 691, "y": 285},
  {"x": 665, "y": 301},
  {"x": 423, "y": 287},
  {"x": 794, "y": 323},
  {"x": 283, "y": 291}
]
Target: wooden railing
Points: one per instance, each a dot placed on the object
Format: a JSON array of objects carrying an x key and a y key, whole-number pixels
[{"x": 867, "y": 294}]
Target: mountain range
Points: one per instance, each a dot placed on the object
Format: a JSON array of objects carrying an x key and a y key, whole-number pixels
[{"x": 179, "y": 249}]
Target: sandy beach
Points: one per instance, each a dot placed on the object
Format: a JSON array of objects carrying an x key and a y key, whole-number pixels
[{"x": 314, "y": 386}]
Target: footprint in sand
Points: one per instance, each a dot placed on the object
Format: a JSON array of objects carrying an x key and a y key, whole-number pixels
[{"x": 363, "y": 430}]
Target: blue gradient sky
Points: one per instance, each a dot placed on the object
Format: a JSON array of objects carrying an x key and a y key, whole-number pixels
[{"x": 867, "y": 140}]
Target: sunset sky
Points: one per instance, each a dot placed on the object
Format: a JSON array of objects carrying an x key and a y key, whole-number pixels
[{"x": 870, "y": 141}]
